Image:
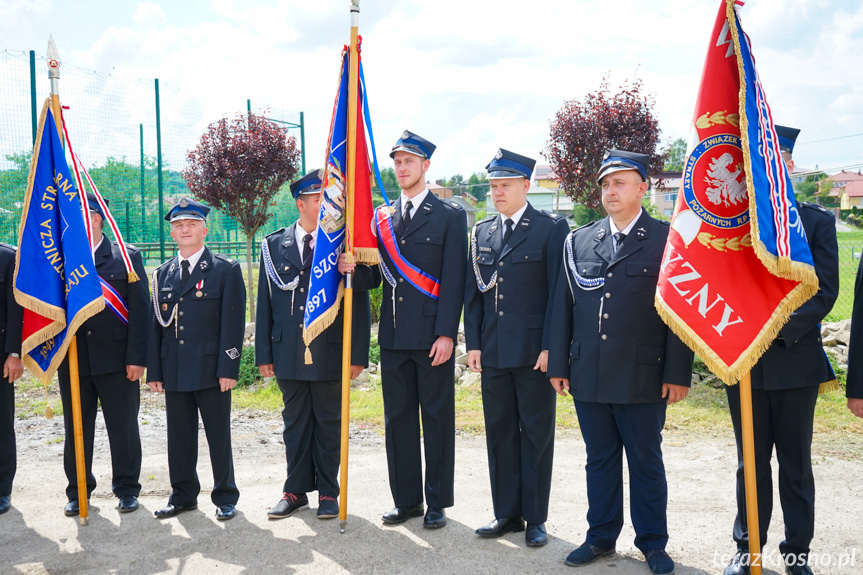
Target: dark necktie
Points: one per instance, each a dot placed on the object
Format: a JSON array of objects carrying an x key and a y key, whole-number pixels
[
  {"x": 508, "y": 231},
  {"x": 184, "y": 276},
  {"x": 307, "y": 247},
  {"x": 406, "y": 219},
  {"x": 618, "y": 240}
]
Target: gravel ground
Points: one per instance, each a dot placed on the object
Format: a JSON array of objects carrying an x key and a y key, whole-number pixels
[{"x": 36, "y": 538}]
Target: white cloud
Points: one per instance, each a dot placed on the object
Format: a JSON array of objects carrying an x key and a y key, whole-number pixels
[{"x": 148, "y": 14}]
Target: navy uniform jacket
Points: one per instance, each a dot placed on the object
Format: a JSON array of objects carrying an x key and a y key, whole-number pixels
[
  {"x": 210, "y": 328},
  {"x": 279, "y": 327},
  {"x": 436, "y": 243},
  {"x": 11, "y": 314},
  {"x": 796, "y": 358},
  {"x": 105, "y": 343},
  {"x": 854, "y": 381},
  {"x": 632, "y": 353},
  {"x": 510, "y": 322}
]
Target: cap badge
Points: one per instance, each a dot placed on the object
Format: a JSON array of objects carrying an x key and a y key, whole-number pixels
[
  {"x": 405, "y": 135},
  {"x": 184, "y": 203},
  {"x": 499, "y": 154}
]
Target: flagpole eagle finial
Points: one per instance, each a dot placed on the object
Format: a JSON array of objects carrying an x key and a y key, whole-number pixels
[{"x": 53, "y": 57}]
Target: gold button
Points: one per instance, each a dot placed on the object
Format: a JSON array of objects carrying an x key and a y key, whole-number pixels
[
  {"x": 500, "y": 264},
  {"x": 610, "y": 274},
  {"x": 403, "y": 242},
  {"x": 401, "y": 280},
  {"x": 500, "y": 296},
  {"x": 89, "y": 332},
  {"x": 604, "y": 337},
  {"x": 499, "y": 280},
  {"x": 301, "y": 308},
  {"x": 605, "y": 316},
  {"x": 182, "y": 342},
  {"x": 181, "y": 328},
  {"x": 525, "y": 257},
  {"x": 401, "y": 298},
  {"x": 302, "y": 290},
  {"x": 181, "y": 313},
  {"x": 607, "y": 295},
  {"x": 500, "y": 313},
  {"x": 302, "y": 272},
  {"x": 181, "y": 300},
  {"x": 645, "y": 270}
]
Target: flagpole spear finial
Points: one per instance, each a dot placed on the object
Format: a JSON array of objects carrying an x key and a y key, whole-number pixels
[{"x": 53, "y": 57}]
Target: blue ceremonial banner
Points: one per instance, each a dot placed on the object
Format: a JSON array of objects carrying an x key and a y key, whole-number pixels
[
  {"x": 55, "y": 277},
  {"x": 777, "y": 231},
  {"x": 325, "y": 285}
]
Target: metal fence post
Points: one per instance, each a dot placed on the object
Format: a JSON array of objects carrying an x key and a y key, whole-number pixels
[
  {"x": 159, "y": 175},
  {"x": 33, "y": 115},
  {"x": 303, "y": 139},
  {"x": 143, "y": 204}
]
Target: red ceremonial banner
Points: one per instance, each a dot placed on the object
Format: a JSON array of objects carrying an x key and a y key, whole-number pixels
[{"x": 713, "y": 290}]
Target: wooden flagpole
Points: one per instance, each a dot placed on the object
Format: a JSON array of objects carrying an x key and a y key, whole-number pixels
[
  {"x": 72, "y": 354},
  {"x": 348, "y": 299},
  {"x": 748, "y": 439}
]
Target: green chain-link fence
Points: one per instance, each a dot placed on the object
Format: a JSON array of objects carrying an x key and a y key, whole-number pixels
[{"x": 133, "y": 136}]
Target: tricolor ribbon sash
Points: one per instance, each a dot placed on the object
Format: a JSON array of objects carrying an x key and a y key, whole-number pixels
[
  {"x": 115, "y": 302},
  {"x": 425, "y": 283}
]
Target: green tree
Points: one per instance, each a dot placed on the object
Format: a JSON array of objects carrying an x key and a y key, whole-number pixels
[
  {"x": 807, "y": 190},
  {"x": 477, "y": 186},
  {"x": 676, "y": 156}
]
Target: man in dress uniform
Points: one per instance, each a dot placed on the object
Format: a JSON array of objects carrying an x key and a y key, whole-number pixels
[
  {"x": 196, "y": 341},
  {"x": 854, "y": 380},
  {"x": 11, "y": 316},
  {"x": 423, "y": 242},
  {"x": 785, "y": 384},
  {"x": 610, "y": 349},
  {"x": 515, "y": 259},
  {"x": 312, "y": 393},
  {"x": 112, "y": 352}
]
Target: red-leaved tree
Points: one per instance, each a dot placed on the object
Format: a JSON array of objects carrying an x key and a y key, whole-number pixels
[
  {"x": 237, "y": 168},
  {"x": 583, "y": 130}
]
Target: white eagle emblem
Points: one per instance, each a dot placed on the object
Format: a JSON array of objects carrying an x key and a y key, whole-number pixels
[{"x": 725, "y": 187}]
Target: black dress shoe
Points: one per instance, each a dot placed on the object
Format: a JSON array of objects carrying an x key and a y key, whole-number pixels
[
  {"x": 435, "y": 518},
  {"x": 659, "y": 562},
  {"x": 172, "y": 510},
  {"x": 739, "y": 564},
  {"x": 225, "y": 511},
  {"x": 585, "y": 554},
  {"x": 289, "y": 504},
  {"x": 128, "y": 504},
  {"x": 500, "y": 527},
  {"x": 71, "y": 509},
  {"x": 798, "y": 569},
  {"x": 4, "y": 504},
  {"x": 402, "y": 514},
  {"x": 328, "y": 507},
  {"x": 535, "y": 536}
]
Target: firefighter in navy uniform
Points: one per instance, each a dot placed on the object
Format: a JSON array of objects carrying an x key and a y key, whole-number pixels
[
  {"x": 196, "y": 341},
  {"x": 515, "y": 260},
  {"x": 622, "y": 365},
  {"x": 312, "y": 393},
  {"x": 423, "y": 246},
  {"x": 785, "y": 384},
  {"x": 112, "y": 352},
  {"x": 11, "y": 316}
]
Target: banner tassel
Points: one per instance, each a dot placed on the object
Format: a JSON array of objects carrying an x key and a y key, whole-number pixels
[
  {"x": 49, "y": 413},
  {"x": 133, "y": 276},
  {"x": 308, "y": 356}
]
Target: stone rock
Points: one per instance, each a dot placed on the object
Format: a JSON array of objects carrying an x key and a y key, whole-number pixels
[
  {"x": 836, "y": 333},
  {"x": 696, "y": 379},
  {"x": 461, "y": 349},
  {"x": 461, "y": 359},
  {"x": 250, "y": 328},
  {"x": 458, "y": 372},
  {"x": 372, "y": 368},
  {"x": 363, "y": 377},
  {"x": 470, "y": 379}
]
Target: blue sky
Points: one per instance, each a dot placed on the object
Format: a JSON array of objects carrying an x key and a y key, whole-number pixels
[{"x": 469, "y": 75}]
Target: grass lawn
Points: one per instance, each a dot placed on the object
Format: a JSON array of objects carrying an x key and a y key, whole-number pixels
[{"x": 850, "y": 243}]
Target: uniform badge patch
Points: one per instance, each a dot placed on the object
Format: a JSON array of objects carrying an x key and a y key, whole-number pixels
[{"x": 233, "y": 353}]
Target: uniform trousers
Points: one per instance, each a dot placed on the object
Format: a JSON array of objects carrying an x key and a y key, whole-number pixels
[
  {"x": 519, "y": 409},
  {"x": 608, "y": 429},
  {"x": 312, "y": 434},
  {"x": 7, "y": 437},
  {"x": 781, "y": 418},
  {"x": 410, "y": 384},
  {"x": 120, "y": 400},
  {"x": 182, "y": 408}
]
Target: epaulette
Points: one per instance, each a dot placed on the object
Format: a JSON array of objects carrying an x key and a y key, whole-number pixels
[
  {"x": 487, "y": 219},
  {"x": 587, "y": 225},
  {"x": 549, "y": 214},
  {"x": 278, "y": 231},
  {"x": 167, "y": 262},
  {"x": 817, "y": 207},
  {"x": 224, "y": 257},
  {"x": 129, "y": 247},
  {"x": 451, "y": 205},
  {"x": 663, "y": 222}
]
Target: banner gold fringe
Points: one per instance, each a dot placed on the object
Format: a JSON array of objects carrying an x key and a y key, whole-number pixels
[
  {"x": 831, "y": 385},
  {"x": 54, "y": 313},
  {"x": 368, "y": 256},
  {"x": 780, "y": 266},
  {"x": 319, "y": 325},
  {"x": 731, "y": 374}
]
